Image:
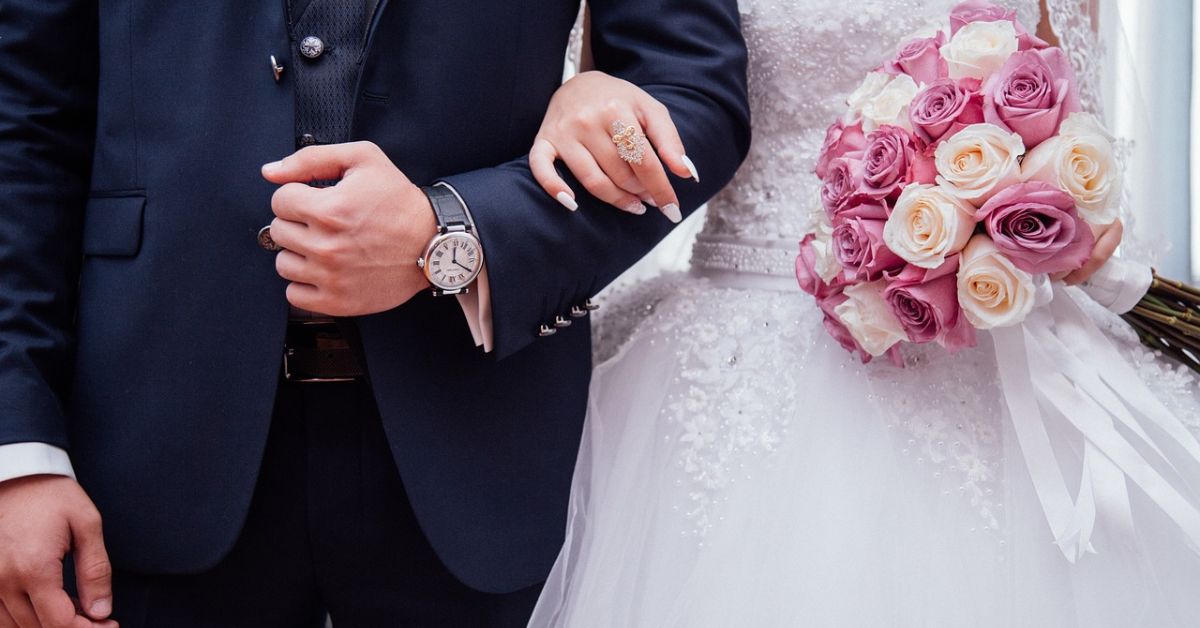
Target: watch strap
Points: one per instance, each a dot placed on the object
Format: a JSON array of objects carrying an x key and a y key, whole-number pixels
[{"x": 448, "y": 208}]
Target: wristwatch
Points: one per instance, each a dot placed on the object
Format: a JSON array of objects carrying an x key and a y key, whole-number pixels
[{"x": 454, "y": 257}]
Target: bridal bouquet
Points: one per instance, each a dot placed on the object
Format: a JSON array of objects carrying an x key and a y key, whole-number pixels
[{"x": 962, "y": 176}]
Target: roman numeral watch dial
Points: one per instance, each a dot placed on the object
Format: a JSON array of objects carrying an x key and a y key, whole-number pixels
[
  {"x": 454, "y": 262},
  {"x": 454, "y": 257}
]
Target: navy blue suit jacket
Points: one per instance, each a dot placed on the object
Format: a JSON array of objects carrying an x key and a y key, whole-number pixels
[{"x": 141, "y": 324}]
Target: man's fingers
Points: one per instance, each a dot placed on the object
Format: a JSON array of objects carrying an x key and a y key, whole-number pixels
[
  {"x": 305, "y": 297},
  {"x": 541, "y": 163},
  {"x": 6, "y": 620},
  {"x": 319, "y": 163},
  {"x": 588, "y": 172},
  {"x": 665, "y": 136},
  {"x": 54, "y": 607},
  {"x": 20, "y": 610},
  {"x": 294, "y": 201},
  {"x": 290, "y": 235},
  {"x": 93, "y": 571},
  {"x": 293, "y": 267}
]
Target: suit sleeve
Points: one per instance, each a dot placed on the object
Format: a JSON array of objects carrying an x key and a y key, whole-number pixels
[
  {"x": 47, "y": 127},
  {"x": 690, "y": 55}
]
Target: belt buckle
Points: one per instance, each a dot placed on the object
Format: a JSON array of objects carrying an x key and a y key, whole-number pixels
[
  {"x": 310, "y": 341},
  {"x": 289, "y": 376}
]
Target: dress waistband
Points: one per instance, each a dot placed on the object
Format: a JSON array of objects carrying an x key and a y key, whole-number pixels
[
  {"x": 760, "y": 256},
  {"x": 767, "y": 263}
]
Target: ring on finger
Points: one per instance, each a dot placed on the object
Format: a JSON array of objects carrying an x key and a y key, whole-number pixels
[{"x": 630, "y": 142}]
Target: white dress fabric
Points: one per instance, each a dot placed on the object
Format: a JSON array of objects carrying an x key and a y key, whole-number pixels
[{"x": 739, "y": 468}]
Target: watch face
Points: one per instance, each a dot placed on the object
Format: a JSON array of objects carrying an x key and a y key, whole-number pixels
[{"x": 453, "y": 261}]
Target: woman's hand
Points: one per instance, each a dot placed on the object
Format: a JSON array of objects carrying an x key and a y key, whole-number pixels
[
  {"x": 579, "y": 130},
  {"x": 1108, "y": 238}
]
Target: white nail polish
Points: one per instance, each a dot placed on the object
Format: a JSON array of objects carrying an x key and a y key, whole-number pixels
[
  {"x": 567, "y": 201},
  {"x": 671, "y": 211},
  {"x": 691, "y": 167},
  {"x": 634, "y": 207}
]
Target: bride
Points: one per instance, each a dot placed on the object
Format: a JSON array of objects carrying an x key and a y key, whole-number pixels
[{"x": 740, "y": 469}]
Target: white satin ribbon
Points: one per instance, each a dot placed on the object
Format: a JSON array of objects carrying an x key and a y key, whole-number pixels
[{"x": 1096, "y": 407}]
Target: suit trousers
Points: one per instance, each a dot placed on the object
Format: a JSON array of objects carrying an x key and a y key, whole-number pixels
[{"x": 330, "y": 530}]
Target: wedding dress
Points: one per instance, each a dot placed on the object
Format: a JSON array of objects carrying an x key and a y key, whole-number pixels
[{"x": 740, "y": 469}]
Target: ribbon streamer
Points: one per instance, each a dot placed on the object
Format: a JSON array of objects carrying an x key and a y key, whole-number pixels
[{"x": 1068, "y": 389}]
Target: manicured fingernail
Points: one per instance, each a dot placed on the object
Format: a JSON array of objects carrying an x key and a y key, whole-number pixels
[
  {"x": 691, "y": 167},
  {"x": 671, "y": 211},
  {"x": 101, "y": 607},
  {"x": 567, "y": 201},
  {"x": 272, "y": 167},
  {"x": 635, "y": 207}
]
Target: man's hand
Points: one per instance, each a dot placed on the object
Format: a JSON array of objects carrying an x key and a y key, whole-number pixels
[
  {"x": 350, "y": 249},
  {"x": 42, "y": 518}
]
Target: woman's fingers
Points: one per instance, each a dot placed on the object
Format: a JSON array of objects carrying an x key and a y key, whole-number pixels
[
  {"x": 583, "y": 165},
  {"x": 1107, "y": 241},
  {"x": 541, "y": 162},
  {"x": 644, "y": 164},
  {"x": 665, "y": 136}
]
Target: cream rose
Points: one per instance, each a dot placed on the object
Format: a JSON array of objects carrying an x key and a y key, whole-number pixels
[
  {"x": 890, "y": 105},
  {"x": 824, "y": 263},
  {"x": 978, "y": 49},
  {"x": 864, "y": 93},
  {"x": 869, "y": 318},
  {"x": 979, "y": 161},
  {"x": 1080, "y": 161},
  {"x": 927, "y": 225},
  {"x": 991, "y": 291}
]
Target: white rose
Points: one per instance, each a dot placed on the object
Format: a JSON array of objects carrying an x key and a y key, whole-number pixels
[
  {"x": 927, "y": 225},
  {"x": 869, "y": 318},
  {"x": 1080, "y": 161},
  {"x": 866, "y": 91},
  {"x": 825, "y": 263},
  {"x": 991, "y": 291},
  {"x": 979, "y": 161},
  {"x": 979, "y": 49},
  {"x": 890, "y": 105}
]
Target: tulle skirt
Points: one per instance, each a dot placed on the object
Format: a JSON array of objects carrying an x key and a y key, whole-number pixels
[{"x": 740, "y": 469}]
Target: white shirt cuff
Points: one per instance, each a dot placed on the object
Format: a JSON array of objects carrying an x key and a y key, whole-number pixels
[
  {"x": 477, "y": 307},
  {"x": 19, "y": 460}
]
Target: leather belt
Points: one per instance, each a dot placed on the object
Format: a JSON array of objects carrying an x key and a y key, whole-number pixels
[{"x": 319, "y": 352}]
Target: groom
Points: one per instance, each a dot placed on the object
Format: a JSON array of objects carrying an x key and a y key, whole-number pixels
[{"x": 253, "y": 461}]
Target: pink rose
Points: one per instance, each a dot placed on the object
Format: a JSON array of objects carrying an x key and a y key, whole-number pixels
[
  {"x": 1031, "y": 95},
  {"x": 808, "y": 273},
  {"x": 840, "y": 184},
  {"x": 926, "y": 304},
  {"x": 859, "y": 247},
  {"x": 841, "y": 140},
  {"x": 982, "y": 11},
  {"x": 943, "y": 108},
  {"x": 921, "y": 59},
  {"x": 1036, "y": 226},
  {"x": 891, "y": 161}
]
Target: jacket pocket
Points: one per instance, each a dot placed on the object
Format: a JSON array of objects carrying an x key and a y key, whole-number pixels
[{"x": 112, "y": 225}]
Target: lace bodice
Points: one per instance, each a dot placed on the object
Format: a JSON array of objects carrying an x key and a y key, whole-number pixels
[{"x": 806, "y": 57}]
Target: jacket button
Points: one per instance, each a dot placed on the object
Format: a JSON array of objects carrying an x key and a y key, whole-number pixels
[
  {"x": 265, "y": 240},
  {"x": 578, "y": 312},
  {"x": 312, "y": 47},
  {"x": 561, "y": 322},
  {"x": 306, "y": 139},
  {"x": 546, "y": 330}
]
